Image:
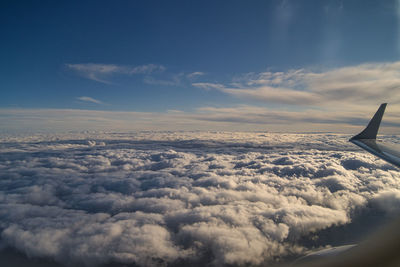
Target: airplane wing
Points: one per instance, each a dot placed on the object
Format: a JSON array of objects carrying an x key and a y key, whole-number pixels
[
  {"x": 380, "y": 249},
  {"x": 367, "y": 140}
]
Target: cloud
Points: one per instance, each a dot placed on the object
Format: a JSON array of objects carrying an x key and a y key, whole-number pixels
[
  {"x": 96, "y": 72},
  {"x": 295, "y": 100},
  {"x": 280, "y": 95},
  {"x": 195, "y": 74},
  {"x": 89, "y": 99},
  {"x": 170, "y": 198},
  {"x": 146, "y": 69},
  {"x": 239, "y": 118},
  {"x": 350, "y": 86},
  {"x": 152, "y": 73},
  {"x": 173, "y": 80},
  {"x": 101, "y": 72},
  {"x": 178, "y": 79},
  {"x": 208, "y": 86}
]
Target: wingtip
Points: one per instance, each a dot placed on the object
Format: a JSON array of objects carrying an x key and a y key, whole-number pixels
[{"x": 371, "y": 131}]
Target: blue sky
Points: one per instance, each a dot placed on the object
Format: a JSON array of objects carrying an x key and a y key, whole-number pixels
[{"x": 214, "y": 63}]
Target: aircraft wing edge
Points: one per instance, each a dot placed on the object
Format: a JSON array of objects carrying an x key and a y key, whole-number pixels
[
  {"x": 367, "y": 140},
  {"x": 372, "y": 128}
]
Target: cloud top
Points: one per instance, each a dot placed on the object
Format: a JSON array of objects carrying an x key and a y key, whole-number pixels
[{"x": 163, "y": 198}]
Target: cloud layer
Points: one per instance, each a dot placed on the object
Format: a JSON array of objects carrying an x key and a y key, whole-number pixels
[
  {"x": 296, "y": 100},
  {"x": 154, "y": 198},
  {"x": 238, "y": 118},
  {"x": 349, "y": 86}
]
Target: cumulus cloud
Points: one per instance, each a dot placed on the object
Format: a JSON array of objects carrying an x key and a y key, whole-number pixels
[{"x": 167, "y": 198}]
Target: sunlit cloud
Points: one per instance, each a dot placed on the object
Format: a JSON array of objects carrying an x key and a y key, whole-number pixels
[
  {"x": 235, "y": 118},
  {"x": 276, "y": 95},
  {"x": 337, "y": 99},
  {"x": 204, "y": 198},
  {"x": 351, "y": 86}
]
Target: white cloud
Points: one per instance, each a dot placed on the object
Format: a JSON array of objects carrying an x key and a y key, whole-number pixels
[
  {"x": 195, "y": 74},
  {"x": 147, "y": 69},
  {"x": 208, "y": 86},
  {"x": 238, "y": 118},
  {"x": 178, "y": 79},
  {"x": 89, "y": 99},
  {"x": 101, "y": 72},
  {"x": 154, "y": 73},
  {"x": 276, "y": 95},
  {"x": 298, "y": 100},
  {"x": 163, "y": 198},
  {"x": 350, "y": 87}
]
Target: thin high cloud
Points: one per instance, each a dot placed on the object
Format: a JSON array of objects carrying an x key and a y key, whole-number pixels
[
  {"x": 348, "y": 86},
  {"x": 153, "y": 74},
  {"x": 195, "y": 74},
  {"x": 338, "y": 99},
  {"x": 170, "y": 80},
  {"x": 177, "y": 79},
  {"x": 102, "y": 72},
  {"x": 89, "y": 99}
]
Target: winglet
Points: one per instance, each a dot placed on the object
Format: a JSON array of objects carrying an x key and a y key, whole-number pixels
[{"x": 371, "y": 130}]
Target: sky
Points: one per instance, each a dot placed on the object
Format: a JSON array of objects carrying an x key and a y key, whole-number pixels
[
  {"x": 198, "y": 65},
  {"x": 145, "y": 132}
]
